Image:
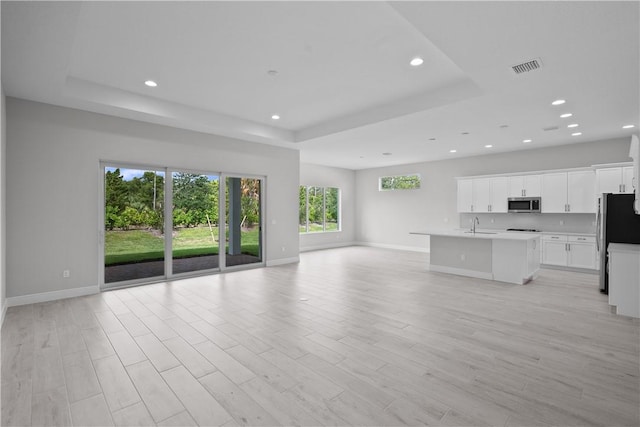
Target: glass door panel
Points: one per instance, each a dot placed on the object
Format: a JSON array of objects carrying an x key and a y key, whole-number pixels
[
  {"x": 134, "y": 224},
  {"x": 243, "y": 221},
  {"x": 195, "y": 222}
]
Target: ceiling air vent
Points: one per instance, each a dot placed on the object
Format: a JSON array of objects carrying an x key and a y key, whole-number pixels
[
  {"x": 527, "y": 66},
  {"x": 550, "y": 128}
]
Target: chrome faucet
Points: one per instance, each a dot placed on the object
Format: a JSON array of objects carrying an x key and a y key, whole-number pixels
[{"x": 473, "y": 224}]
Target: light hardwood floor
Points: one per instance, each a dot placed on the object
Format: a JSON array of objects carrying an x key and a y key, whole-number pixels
[{"x": 352, "y": 336}]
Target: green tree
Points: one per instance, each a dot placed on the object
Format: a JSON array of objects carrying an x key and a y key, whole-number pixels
[
  {"x": 116, "y": 197},
  {"x": 191, "y": 194},
  {"x": 250, "y": 200}
]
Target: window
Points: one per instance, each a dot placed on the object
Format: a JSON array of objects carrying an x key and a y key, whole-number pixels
[
  {"x": 319, "y": 209},
  {"x": 399, "y": 182}
]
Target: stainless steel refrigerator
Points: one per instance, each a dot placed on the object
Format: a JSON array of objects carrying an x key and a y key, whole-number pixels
[{"x": 617, "y": 222}]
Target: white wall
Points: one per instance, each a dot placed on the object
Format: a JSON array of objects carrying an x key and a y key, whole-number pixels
[
  {"x": 344, "y": 179},
  {"x": 53, "y": 156},
  {"x": 3, "y": 163},
  {"x": 386, "y": 218}
]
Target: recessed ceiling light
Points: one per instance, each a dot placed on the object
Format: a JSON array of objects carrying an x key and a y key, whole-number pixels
[
  {"x": 628, "y": 126},
  {"x": 576, "y": 134},
  {"x": 386, "y": 154},
  {"x": 526, "y": 140},
  {"x": 275, "y": 117},
  {"x": 416, "y": 61},
  {"x": 488, "y": 146},
  {"x": 558, "y": 102},
  {"x": 565, "y": 115},
  {"x": 151, "y": 83},
  {"x": 453, "y": 151},
  {"x": 572, "y": 125}
]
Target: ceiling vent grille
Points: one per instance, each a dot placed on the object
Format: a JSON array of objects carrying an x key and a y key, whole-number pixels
[
  {"x": 550, "y": 128},
  {"x": 525, "y": 67}
]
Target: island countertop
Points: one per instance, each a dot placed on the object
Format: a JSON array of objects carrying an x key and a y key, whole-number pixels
[{"x": 479, "y": 234}]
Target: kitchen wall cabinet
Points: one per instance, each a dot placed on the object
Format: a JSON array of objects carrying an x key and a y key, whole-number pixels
[
  {"x": 482, "y": 195},
  {"x": 564, "y": 192},
  {"x": 465, "y": 195},
  {"x": 554, "y": 192},
  {"x": 615, "y": 180},
  {"x": 569, "y": 251},
  {"x": 525, "y": 186},
  {"x": 581, "y": 194}
]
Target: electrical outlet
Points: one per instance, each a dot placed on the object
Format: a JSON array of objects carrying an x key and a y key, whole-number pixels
[
  {"x": 463, "y": 257},
  {"x": 283, "y": 249},
  {"x": 492, "y": 220},
  {"x": 561, "y": 222},
  {"x": 66, "y": 273}
]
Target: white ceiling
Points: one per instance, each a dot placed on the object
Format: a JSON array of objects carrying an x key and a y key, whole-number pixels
[{"x": 343, "y": 84}]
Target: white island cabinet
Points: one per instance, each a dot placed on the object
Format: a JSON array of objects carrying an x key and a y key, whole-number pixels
[
  {"x": 502, "y": 256},
  {"x": 624, "y": 278}
]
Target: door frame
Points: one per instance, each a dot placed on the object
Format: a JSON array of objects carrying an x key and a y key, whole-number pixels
[{"x": 168, "y": 224}]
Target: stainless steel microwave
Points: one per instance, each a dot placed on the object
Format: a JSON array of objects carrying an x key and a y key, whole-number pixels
[{"x": 523, "y": 204}]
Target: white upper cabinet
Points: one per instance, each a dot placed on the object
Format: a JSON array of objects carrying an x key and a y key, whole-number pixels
[
  {"x": 465, "y": 195},
  {"x": 614, "y": 180},
  {"x": 525, "y": 186},
  {"x": 570, "y": 192},
  {"x": 483, "y": 195},
  {"x": 499, "y": 194},
  {"x": 581, "y": 196},
  {"x": 554, "y": 192}
]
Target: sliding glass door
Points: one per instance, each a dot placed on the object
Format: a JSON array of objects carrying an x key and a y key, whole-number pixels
[
  {"x": 161, "y": 223},
  {"x": 243, "y": 200},
  {"x": 133, "y": 224},
  {"x": 195, "y": 239}
]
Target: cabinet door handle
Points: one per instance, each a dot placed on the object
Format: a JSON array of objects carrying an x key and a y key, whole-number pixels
[
  {"x": 471, "y": 208},
  {"x": 568, "y": 207},
  {"x": 620, "y": 188},
  {"x": 489, "y": 208},
  {"x": 624, "y": 188},
  {"x": 581, "y": 238}
]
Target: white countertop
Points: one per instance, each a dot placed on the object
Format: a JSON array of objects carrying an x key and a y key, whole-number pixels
[
  {"x": 624, "y": 247},
  {"x": 568, "y": 234},
  {"x": 479, "y": 234}
]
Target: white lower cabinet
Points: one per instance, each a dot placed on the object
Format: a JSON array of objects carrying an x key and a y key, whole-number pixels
[{"x": 569, "y": 251}]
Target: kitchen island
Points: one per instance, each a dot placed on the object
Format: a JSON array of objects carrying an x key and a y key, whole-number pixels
[{"x": 493, "y": 255}]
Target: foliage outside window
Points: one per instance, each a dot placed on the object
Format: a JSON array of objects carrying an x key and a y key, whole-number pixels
[
  {"x": 319, "y": 209},
  {"x": 399, "y": 182}
]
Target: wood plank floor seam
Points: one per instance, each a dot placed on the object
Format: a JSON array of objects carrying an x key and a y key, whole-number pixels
[{"x": 349, "y": 336}]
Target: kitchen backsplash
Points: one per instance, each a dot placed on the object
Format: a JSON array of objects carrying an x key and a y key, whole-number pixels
[{"x": 568, "y": 223}]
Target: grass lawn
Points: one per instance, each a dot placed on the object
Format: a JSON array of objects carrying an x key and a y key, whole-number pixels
[
  {"x": 317, "y": 228},
  {"x": 124, "y": 247}
]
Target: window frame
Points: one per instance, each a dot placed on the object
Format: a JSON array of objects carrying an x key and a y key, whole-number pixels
[
  {"x": 419, "y": 176},
  {"x": 324, "y": 210}
]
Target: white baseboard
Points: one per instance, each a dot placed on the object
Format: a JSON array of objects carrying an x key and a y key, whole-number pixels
[
  {"x": 327, "y": 246},
  {"x": 52, "y": 296},
  {"x": 397, "y": 247},
  {"x": 461, "y": 272},
  {"x": 283, "y": 261}
]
